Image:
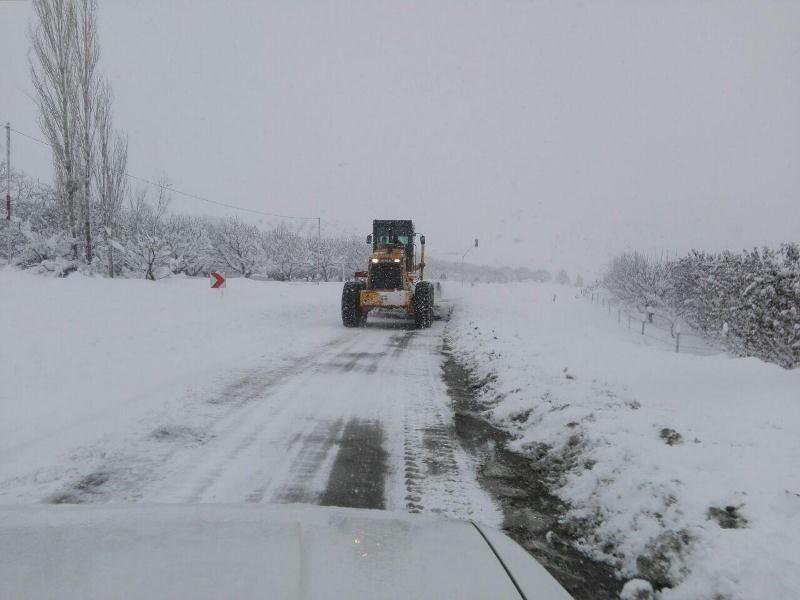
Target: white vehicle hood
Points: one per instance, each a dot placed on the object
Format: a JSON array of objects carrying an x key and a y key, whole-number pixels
[{"x": 275, "y": 552}]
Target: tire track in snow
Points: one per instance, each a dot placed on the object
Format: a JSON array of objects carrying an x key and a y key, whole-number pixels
[
  {"x": 132, "y": 473},
  {"x": 439, "y": 476},
  {"x": 358, "y": 475},
  {"x": 316, "y": 454},
  {"x": 235, "y": 438},
  {"x": 172, "y": 474}
]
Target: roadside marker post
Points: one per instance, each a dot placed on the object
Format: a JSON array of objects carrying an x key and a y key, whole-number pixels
[{"x": 218, "y": 282}]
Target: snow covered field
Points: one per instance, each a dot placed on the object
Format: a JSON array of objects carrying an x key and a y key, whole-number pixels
[
  {"x": 87, "y": 358},
  {"x": 681, "y": 468}
]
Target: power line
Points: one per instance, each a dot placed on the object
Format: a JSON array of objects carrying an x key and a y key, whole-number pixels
[
  {"x": 30, "y": 137},
  {"x": 217, "y": 202},
  {"x": 185, "y": 194}
]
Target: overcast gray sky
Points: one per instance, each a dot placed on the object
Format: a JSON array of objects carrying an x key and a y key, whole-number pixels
[{"x": 557, "y": 132}]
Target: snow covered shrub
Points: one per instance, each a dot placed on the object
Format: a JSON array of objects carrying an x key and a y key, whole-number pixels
[{"x": 47, "y": 253}]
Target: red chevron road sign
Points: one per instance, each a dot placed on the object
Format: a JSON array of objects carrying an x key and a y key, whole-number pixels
[{"x": 217, "y": 280}]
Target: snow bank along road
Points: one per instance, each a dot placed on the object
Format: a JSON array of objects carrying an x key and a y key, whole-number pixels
[
  {"x": 127, "y": 391},
  {"x": 676, "y": 468}
]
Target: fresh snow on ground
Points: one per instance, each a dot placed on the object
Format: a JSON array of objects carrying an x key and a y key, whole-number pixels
[{"x": 662, "y": 449}]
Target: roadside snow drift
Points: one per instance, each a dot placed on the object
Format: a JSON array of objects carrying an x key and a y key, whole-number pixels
[{"x": 680, "y": 469}]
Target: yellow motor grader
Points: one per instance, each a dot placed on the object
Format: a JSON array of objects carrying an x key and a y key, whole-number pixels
[{"x": 393, "y": 280}]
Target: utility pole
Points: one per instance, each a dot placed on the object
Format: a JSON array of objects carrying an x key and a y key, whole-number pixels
[
  {"x": 319, "y": 248},
  {"x": 8, "y": 192},
  {"x": 8, "y": 173}
]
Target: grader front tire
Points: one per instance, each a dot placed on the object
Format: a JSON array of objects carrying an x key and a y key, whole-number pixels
[{"x": 351, "y": 309}]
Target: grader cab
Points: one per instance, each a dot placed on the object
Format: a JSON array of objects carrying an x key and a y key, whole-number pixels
[{"x": 393, "y": 281}]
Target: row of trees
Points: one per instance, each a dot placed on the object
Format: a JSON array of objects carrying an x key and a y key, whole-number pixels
[
  {"x": 150, "y": 241},
  {"x": 145, "y": 239},
  {"x": 443, "y": 269},
  {"x": 749, "y": 301}
]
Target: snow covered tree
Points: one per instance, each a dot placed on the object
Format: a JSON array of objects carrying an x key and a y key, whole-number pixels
[
  {"x": 355, "y": 255},
  {"x": 69, "y": 95},
  {"x": 523, "y": 274},
  {"x": 146, "y": 250},
  {"x": 639, "y": 281},
  {"x": 289, "y": 253},
  {"x": 562, "y": 277},
  {"x": 88, "y": 94},
  {"x": 12, "y": 233},
  {"x": 109, "y": 175},
  {"x": 189, "y": 245},
  {"x": 542, "y": 275},
  {"x": 332, "y": 255},
  {"x": 236, "y": 245},
  {"x": 53, "y": 64}
]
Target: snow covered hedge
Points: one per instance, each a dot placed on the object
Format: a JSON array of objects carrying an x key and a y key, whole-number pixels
[{"x": 749, "y": 301}]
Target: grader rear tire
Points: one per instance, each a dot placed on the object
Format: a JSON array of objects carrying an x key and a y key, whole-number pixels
[{"x": 423, "y": 304}]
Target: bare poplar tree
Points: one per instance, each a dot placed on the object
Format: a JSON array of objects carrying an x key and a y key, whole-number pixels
[
  {"x": 109, "y": 173},
  {"x": 53, "y": 65},
  {"x": 88, "y": 54}
]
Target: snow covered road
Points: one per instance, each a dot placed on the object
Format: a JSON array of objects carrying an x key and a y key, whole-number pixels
[
  {"x": 296, "y": 409},
  {"x": 363, "y": 421}
]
